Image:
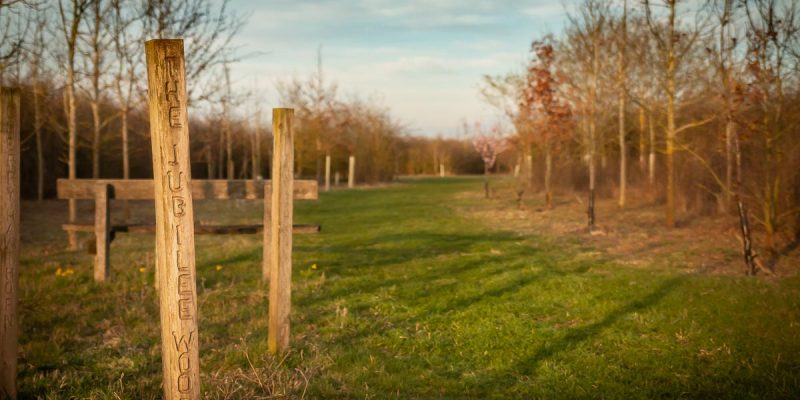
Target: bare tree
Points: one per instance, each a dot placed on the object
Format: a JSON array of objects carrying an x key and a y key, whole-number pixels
[
  {"x": 71, "y": 13},
  {"x": 622, "y": 43},
  {"x": 97, "y": 42},
  {"x": 36, "y": 64},
  {"x": 586, "y": 38},
  {"x": 208, "y": 30},
  {"x": 674, "y": 48},
  {"x": 773, "y": 37}
]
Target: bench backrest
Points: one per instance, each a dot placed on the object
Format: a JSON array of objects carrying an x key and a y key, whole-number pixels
[{"x": 142, "y": 189}]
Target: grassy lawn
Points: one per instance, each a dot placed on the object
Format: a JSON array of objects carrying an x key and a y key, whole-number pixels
[{"x": 406, "y": 293}]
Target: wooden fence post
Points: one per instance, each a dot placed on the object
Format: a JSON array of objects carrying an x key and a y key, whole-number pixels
[
  {"x": 266, "y": 247},
  {"x": 327, "y": 172},
  {"x": 102, "y": 230},
  {"x": 351, "y": 172},
  {"x": 280, "y": 284},
  {"x": 337, "y": 178},
  {"x": 175, "y": 262},
  {"x": 9, "y": 239},
  {"x": 441, "y": 170}
]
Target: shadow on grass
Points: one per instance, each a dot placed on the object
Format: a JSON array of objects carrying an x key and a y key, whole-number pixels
[{"x": 576, "y": 336}]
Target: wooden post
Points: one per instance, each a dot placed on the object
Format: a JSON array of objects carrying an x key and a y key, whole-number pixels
[
  {"x": 327, "y": 172},
  {"x": 280, "y": 284},
  {"x": 337, "y": 177},
  {"x": 266, "y": 248},
  {"x": 441, "y": 170},
  {"x": 175, "y": 262},
  {"x": 9, "y": 239},
  {"x": 102, "y": 230},
  {"x": 351, "y": 172}
]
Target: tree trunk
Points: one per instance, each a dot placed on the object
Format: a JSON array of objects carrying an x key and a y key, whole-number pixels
[
  {"x": 642, "y": 157},
  {"x": 72, "y": 131},
  {"x": 37, "y": 130},
  {"x": 548, "y": 170},
  {"x": 623, "y": 156},
  {"x": 729, "y": 126},
  {"x": 126, "y": 166},
  {"x": 747, "y": 243},
  {"x": 95, "y": 139},
  {"x": 486, "y": 180},
  {"x": 651, "y": 162},
  {"x": 670, "y": 134}
]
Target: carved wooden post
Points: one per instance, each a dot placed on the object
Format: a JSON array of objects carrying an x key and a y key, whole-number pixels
[
  {"x": 102, "y": 230},
  {"x": 351, "y": 172},
  {"x": 327, "y": 172},
  {"x": 280, "y": 284},
  {"x": 266, "y": 247},
  {"x": 9, "y": 239},
  {"x": 175, "y": 263}
]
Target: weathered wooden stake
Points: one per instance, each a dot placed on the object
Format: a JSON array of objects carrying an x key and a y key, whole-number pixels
[
  {"x": 280, "y": 284},
  {"x": 266, "y": 247},
  {"x": 327, "y": 172},
  {"x": 102, "y": 230},
  {"x": 9, "y": 239},
  {"x": 351, "y": 172},
  {"x": 175, "y": 262}
]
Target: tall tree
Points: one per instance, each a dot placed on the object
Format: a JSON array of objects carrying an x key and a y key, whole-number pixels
[
  {"x": 674, "y": 49},
  {"x": 773, "y": 37},
  {"x": 98, "y": 42},
  {"x": 544, "y": 107},
  {"x": 71, "y": 13},
  {"x": 622, "y": 43}
]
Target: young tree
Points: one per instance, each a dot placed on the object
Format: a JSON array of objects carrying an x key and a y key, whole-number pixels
[
  {"x": 622, "y": 43},
  {"x": 489, "y": 146},
  {"x": 98, "y": 42},
  {"x": 773, "y": 35},
  {"x": 585, "y": 39},
  {"x": 71, "y": 14},
  {"x": 675, "y": 46},
  {"x": 544, "y": 108},
  {"x": 36, "y": 66}
]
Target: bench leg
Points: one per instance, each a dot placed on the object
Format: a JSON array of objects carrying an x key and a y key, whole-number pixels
[{"x": 102, "y": 231}]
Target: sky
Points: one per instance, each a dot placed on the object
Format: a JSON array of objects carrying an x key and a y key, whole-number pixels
[{"x": 423, "y": 60}]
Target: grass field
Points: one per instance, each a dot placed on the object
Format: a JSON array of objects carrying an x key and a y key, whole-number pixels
[{"x": 408, "y": 292}]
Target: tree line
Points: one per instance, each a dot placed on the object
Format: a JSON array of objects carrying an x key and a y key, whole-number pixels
[
  {"x": 692, "y": 104},
  {"x": 80, "y": 64}
]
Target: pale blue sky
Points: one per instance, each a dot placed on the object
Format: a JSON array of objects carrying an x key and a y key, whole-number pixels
[{"x": 423, "y": 59}]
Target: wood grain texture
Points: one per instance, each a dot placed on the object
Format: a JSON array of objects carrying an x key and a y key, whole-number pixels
[
  {"x": 280, "y": 284},
  {"x": 9, "y": 239},
  {"x": 202, "y": 189},
  {"x": 266, "y": 245},
  {"x": 175, "y": 252},
  {"x": 102, "y": 230},
  {"x": 351, "y": 172},
  {"x": 240, "y": 229}
]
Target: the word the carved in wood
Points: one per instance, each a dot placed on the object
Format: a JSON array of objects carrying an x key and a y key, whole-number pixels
[
  {"x": 9, "y": 239},
  {"x": 280, "y": 284},
  {"x": 175, "y": 257}
]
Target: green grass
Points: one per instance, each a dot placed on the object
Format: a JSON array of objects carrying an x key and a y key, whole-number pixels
[{"x": 411, "y": 297}]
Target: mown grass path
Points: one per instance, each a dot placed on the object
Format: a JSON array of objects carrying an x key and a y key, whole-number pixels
[{"x": 405, "y": 294}]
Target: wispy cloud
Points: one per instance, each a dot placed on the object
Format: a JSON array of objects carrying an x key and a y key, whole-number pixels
[{"x": 425, "y": 57}]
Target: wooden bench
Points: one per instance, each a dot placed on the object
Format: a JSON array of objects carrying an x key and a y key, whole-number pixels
[{"x": 104, "y": 190}]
